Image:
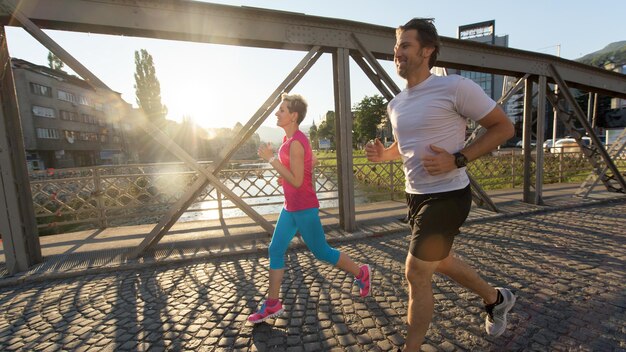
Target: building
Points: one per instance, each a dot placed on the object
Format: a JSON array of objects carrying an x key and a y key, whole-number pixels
[
  {"x": 493, "y": 85},
  {"x": 617, "y": 103},
  {"x": 615, "y": 116},
  {"x": 65, "y": 122},
  {"x": 483, "y": 32}
]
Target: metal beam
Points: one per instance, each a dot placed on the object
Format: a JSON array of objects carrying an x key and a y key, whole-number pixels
[
  {"x": 615, "y": 150},
  {"x": 245, "y": 26},
  {"x": 480, "y": 130},
  {"x": 343, "y": 133},
  {"x": 540, "y": 132},
  {"x": 596, "y": 148},
  {"x": 526, "y": 132},
  {"x": 175, "y": 211},
  {"x": 270, "y": 104},
  {"x": 145, "y": 124},
  {"x": 516, "y": 87},
  {"x": 371, "y": 60},
  {"x": 17, "y": 218},
  {"x": 367, "y": 69}
]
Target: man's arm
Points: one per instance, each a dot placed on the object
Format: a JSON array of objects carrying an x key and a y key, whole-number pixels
[
  {"x": 499, "y": 130},
  {"x": 377, "y": 152}
]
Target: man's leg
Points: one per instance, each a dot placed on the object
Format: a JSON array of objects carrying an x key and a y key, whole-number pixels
[
  {"x": 465, "y": 275},
  {"x": 419, "y": 275},
  {"x": 498, "y": 301}
]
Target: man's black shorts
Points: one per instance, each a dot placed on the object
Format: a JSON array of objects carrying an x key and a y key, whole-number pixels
[{"x": 435, "y": 220}]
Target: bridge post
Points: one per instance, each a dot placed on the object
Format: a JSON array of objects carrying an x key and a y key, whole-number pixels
[
  {"x": 526, "y": 133},
  {"x": 17, "y": 219},
  {"x": 343, "y": 130},
  {"x": 541, "y": 118}
]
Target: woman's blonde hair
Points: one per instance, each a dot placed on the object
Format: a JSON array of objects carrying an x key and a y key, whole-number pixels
[{"x": 295, "y": 103}]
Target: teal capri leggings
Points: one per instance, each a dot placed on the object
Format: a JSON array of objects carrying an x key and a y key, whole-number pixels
[{"x": 308, "y": 223}]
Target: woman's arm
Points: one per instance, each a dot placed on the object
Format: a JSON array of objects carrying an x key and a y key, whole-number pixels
[{"x": 294, "y": 175}]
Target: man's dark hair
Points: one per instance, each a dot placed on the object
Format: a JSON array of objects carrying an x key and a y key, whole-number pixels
[{"x": 427, "y": 35}]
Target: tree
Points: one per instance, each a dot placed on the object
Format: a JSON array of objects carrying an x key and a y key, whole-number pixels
[
  {"x": 315, "y": 144},
  {"x": 148, "y": 95},
  {"x": 147, "y": 87},
  {"x": 54, "y": 62},
  {"x": 368, "y": 114},
  {"x": 327, "y": 129}
]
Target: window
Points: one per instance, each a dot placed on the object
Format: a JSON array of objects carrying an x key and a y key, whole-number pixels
[
  {"x": 39, "y": 89},
  {"x": 68, "y": 115},
  {"x": 67, "y": 96},
  {"x": 86, "y": 118},
  {"x": 43, "y": 111},
  {"x": 47, "y": 133},
  {"x": 88, "y": 136},
  {"x": 84, "y": 100}
]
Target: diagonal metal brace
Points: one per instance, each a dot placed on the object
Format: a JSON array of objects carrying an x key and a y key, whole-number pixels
[
  {"x": 102, "y": 88},
  {"x": 596, "y": 144}
]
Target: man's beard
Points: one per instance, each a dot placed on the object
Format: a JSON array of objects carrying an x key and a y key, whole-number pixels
[{"x": 402, "y": 72}]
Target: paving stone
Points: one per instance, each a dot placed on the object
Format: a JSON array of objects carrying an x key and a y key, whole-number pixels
[
  {"x": 563, "y": 264},
  {"x": 346, "y": 340}
]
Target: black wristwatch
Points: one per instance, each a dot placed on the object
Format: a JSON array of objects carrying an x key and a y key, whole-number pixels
[{"x": 460, "y": 160}]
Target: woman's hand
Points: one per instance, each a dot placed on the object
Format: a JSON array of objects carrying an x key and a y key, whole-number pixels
[{"x": 265, "y": 151}]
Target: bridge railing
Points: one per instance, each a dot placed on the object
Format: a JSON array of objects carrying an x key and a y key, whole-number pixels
[{"x": 73, "y": 199}]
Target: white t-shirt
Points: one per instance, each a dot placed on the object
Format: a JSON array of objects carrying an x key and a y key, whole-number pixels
[{"x": 434, "y": 112}]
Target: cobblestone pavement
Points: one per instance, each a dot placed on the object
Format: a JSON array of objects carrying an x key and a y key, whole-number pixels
[{"x": 567, "y": 267}]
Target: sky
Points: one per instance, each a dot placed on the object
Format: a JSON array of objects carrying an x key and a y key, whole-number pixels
[{"x": 219, "y": 85}]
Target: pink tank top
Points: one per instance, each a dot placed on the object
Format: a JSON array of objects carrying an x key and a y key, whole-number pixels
[{"x": 303, "y": 197}]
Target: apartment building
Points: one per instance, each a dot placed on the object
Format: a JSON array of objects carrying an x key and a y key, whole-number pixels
[
  {"x": 66, "y": 123},
  {"x": 493, "y": 85}
]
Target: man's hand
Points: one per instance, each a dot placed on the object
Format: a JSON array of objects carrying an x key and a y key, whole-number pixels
[
  {"x": 440, "y": 163},
  {"x": 374, "y": 150}
]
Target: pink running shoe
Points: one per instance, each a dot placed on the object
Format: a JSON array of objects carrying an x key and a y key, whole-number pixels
[
  {"x": 365, "y": 281},
  {"x": 266, "y": 312}
]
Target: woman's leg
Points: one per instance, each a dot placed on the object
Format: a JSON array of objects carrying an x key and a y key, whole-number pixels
[
  {"x": 312, "y": 232},
  {"x": 276, "y": 278},
  {"x": 310, "y": 226},
  {"x": 347, "y": 264},
  {"x": 283, "y": 234}
]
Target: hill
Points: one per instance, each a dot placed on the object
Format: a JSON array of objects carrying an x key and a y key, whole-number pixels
[{"x": 614, "y": 52}]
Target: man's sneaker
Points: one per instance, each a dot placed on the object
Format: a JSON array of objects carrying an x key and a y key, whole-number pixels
[
  {"x": 365, "y": 281},
  {"x": 495, "y": 323},
  {"x": 266, "y": 312}
]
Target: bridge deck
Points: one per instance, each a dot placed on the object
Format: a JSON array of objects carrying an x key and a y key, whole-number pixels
[
  {"x": 90, "y": 251},
  {"x": 565, "y": 262}
]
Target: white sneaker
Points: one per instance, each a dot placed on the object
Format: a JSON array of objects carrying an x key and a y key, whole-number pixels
[{"x": 495, "y": 323}]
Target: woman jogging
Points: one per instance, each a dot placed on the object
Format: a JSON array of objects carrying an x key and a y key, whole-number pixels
[{"x": 300, "y": 213}]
